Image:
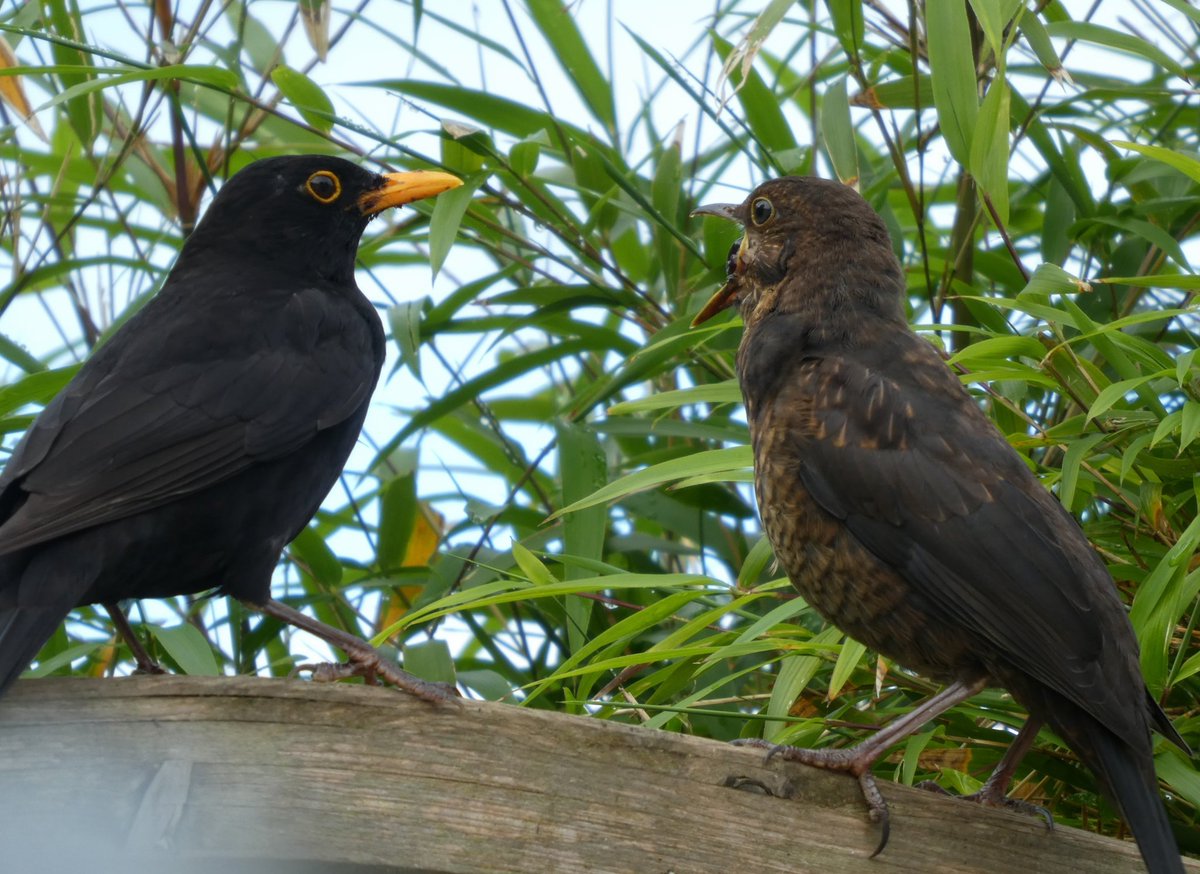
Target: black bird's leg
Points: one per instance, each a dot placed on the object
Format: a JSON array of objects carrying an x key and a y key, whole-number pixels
[
  {"x": 145, "y": 664},
  {"x": 857, "y": 760},
  {"x": 994, "y": 792},
  {"x": 364, "y": 660}
]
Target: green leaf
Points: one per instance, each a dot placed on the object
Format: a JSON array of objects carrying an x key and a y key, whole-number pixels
[
  {"x": 1035, "y": 34},
  {"x": 838, "y": 132},
  {"x": 405, "y": 321},
  {"x": 795, "y": 673},
  {"x": 449, "y": 207},
  {"x": 848, "y": 24},
  {"x": 36, "y": 388},
  {"x": 1051, "y": 279},
  {"x": 557, "y": 24},
  {"x": 848, "y": 658},
  {"x": 989, "y": 147},
  {"x": 306, "y": 96},
  {"x": 311, "y": 551},
  {"x": 952, "y": 69},
  {"x": 712, "y": 461},
  {"x": 430, "y": 660},
  {"x": 583, "y": 468},
  {"x": 1110, "y": 394},
  {"x": 398, "y": 510},
  {"x": 994, "y": 16},
  {"x": 1161, "y": 280},
  {"x": 727, "y": 392},
  {"x": 1185, "y": 164},
  {"x": 1129, "y": 43},
  {"x": 188, "y": 648}
]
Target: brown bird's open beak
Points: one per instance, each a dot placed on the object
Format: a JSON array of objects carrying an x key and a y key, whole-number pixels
[
  {"x": 727, "y": 295},
  {"x": 727, "y": 211},
  {"x": 401, "y": 188}
]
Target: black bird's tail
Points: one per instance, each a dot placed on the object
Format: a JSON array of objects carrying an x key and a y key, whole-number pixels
[
  {"x": 23, "y": 631},
  {"x": 1128, "y": 776}
]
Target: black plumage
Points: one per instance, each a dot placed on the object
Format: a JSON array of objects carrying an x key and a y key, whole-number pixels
[
  {"x": 197, "y": 442},
  {"x": 904, "y": 517}
]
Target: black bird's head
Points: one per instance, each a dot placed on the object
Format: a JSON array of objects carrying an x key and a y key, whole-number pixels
[
  {"x": 811, "y": 246},
  {"x": 302, "y": 215}
]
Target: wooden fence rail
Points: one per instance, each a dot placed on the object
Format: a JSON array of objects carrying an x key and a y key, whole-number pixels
[{"x": 182, "y": 774}]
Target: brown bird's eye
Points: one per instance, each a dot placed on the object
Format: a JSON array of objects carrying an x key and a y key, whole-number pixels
[
  {"x": 761, "y": 211},
  {"x": 324, "y": 186}
]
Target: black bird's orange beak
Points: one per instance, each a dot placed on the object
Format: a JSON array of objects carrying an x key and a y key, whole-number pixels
[
  {"x": 401, "y": 188},
  {"x": 727, "y": 295}
]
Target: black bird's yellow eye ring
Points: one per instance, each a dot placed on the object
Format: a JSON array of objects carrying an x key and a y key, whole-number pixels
[
  {"x": 324, "y": 186},
  {"x": 761, "y": 211}
]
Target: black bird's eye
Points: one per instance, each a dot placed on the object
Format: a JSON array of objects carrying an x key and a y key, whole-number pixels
[
  {"x": 761, "y": 211},
  {"x": 324, "y": 186}
]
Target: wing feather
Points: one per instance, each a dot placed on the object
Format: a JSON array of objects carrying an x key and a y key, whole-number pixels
[{"x": 172, "y": 410}]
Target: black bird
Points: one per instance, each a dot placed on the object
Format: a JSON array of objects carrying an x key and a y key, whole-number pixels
[
  {"x": 905, "y": 518},
  {"x": 196, "y": 443}
]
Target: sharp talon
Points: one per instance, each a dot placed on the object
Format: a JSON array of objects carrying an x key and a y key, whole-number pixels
[{"x": 886, "y": 830}]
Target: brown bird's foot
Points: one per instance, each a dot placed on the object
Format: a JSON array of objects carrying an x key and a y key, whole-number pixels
[
  {"x": 856, "y": 761},
  {"x": 363, "y": 660},
  {"x": 990, "y": 796},
  {"x": 994, "y": 792},
  {"x": 145, "y": 664}
]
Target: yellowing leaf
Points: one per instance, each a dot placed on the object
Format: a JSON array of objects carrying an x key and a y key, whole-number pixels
[{"x": 13, "y": 93}]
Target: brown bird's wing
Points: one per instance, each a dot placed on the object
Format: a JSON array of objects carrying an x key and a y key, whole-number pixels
[
  {"x": 888, "y": 442},
  {"x": 174, "y": 407}
]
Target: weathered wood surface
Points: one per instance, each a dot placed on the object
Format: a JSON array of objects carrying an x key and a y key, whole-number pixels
[{"x": 186, "y": 774}]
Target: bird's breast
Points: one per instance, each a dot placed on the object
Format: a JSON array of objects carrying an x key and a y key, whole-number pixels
[{"x": 839, "y": 578}]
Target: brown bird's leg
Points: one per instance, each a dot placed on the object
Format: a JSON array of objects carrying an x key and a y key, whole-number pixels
[
  {"x": 857, "y": 760},
  {"x": 364, "y": 660},
  {"x": 145, "y": 664},
  {"x": 994, "y": 792}
]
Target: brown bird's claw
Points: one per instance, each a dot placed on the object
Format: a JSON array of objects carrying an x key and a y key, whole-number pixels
[
  {"x": 854, "y": 761},
  {"x": 993, "y": 796}
]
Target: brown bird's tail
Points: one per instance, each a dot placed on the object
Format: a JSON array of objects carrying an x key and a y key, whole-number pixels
[{"x": 1127, "y": 774}]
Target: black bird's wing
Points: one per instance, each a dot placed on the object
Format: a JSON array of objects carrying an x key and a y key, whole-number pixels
[
  {"x": 169, "y": 407},
  {"x": 900, "y": 453}
]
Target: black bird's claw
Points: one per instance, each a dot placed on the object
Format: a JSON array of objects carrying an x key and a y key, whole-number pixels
[
  {"x": 149, "y": 669},
  {"x": 845, "y": 760},
  {"x": 988, "y": 796},
  {"x": 373, "y": 668},
  {"x": 328, "y": 672}
]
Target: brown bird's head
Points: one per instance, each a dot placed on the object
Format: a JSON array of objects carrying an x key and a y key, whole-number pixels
[
  {"x": 302, "y": 215},
  {"x": 829, "y": 245}
]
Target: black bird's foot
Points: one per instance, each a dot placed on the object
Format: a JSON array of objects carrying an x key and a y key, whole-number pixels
[
  {"x": 856, "y": 761},
  {"x": 362, "y": 659},
  {"x": 375, "y": 669},
  {"x": 993, "y": 796},
  {"x": 145, "y": 664}
]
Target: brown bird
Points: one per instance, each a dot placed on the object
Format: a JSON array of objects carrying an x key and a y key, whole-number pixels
[
  {"x": 904, "y": 517},
  {"x": 196, "y": 443}
]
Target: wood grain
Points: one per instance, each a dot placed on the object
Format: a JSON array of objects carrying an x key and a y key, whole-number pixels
[{"x": 185, "y": 774}]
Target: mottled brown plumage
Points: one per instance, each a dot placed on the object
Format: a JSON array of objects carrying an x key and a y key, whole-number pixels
[{"x": 904, "y": 517}]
